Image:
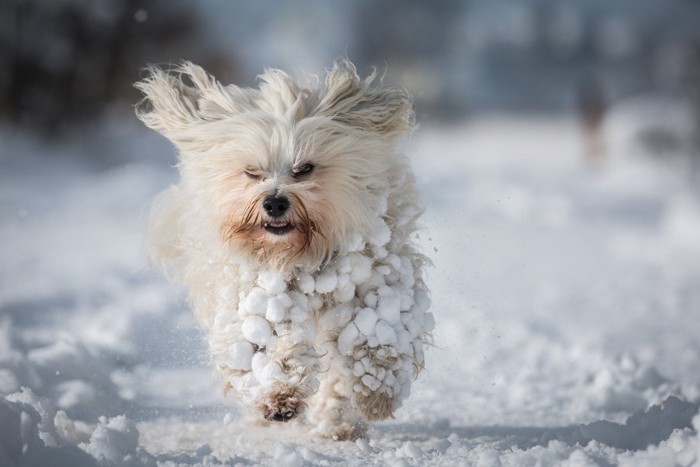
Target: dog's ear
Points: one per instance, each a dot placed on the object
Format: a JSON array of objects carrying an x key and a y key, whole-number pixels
[
  {"x": 362, "y": 104},
  {"x": 179, "y": 99}
]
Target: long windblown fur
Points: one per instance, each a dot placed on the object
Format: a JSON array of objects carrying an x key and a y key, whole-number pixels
[{"x": 280, "y": 291}]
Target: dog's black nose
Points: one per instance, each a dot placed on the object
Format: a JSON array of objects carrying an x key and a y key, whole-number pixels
[{"x": 276, "y": 205}]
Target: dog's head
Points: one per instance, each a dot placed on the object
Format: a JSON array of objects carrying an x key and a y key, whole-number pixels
[{"x": 291, "y": 174}]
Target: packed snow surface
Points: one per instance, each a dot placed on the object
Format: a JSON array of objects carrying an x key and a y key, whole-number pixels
[{"x": 565, "y": 294}]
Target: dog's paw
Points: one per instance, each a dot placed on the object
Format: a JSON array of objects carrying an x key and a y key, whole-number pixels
[
  {"x": 343, "y": 431},
  {"x": 282, "y": 404},
  {"x": 278, "y": 415}
]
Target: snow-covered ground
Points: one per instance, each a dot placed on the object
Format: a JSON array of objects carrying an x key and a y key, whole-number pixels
[{"x": 567, "y": 300}]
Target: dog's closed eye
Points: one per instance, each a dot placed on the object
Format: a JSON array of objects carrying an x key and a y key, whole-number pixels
[
  {"x": 304, "y": 170},
  {"x": 253, "y": 175}
]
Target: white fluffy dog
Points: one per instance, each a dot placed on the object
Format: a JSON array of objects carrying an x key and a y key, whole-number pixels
[{"x": 293, "y": 227}]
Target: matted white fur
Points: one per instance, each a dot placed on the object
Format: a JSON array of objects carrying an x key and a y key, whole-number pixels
[{"x": 316, "y": 305}]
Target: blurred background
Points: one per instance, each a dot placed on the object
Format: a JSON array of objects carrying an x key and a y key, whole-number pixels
[
  {"x": 558, "y": 154},
  {"x": 65, "y": 64}
]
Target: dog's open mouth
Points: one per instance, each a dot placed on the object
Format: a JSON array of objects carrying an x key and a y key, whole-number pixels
[{"x": 278, "y": 227}]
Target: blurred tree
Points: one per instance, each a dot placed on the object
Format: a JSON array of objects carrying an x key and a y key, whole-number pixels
[{"x": 64, "y": 61}]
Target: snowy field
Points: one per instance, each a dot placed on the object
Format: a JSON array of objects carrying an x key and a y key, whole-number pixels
[{"x": 567, "y": 300}]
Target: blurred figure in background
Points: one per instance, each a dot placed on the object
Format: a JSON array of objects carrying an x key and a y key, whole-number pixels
[{"x": 591, "y": 108}]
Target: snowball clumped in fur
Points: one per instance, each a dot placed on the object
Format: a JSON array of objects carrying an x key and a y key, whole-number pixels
[{"x": 377, "y": 300}]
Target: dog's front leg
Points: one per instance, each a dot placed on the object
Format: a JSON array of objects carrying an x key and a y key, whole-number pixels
[
  {"x": 285, "y": 371},
  {"x": 332, "y": 413},
  {"x": 366, "y": 372},
  {"x": 274, "y": 379},
  {"x": 264, "y": 351},
  {"x": 384, "y": 340}
]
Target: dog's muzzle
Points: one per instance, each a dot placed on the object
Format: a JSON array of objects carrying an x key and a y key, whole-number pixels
[{"x": 276, "y": 206}]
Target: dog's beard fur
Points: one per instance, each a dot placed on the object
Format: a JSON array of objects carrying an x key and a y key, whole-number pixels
[
  {"x": 346, "y": 128},
  {"x": 243, "y": 222}
]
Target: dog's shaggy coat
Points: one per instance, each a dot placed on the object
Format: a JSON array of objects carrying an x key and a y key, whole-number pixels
[{"x": 292, "y": 227}]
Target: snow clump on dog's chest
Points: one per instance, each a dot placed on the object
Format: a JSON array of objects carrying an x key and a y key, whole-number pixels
[{"x": 376, "y": 300}]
